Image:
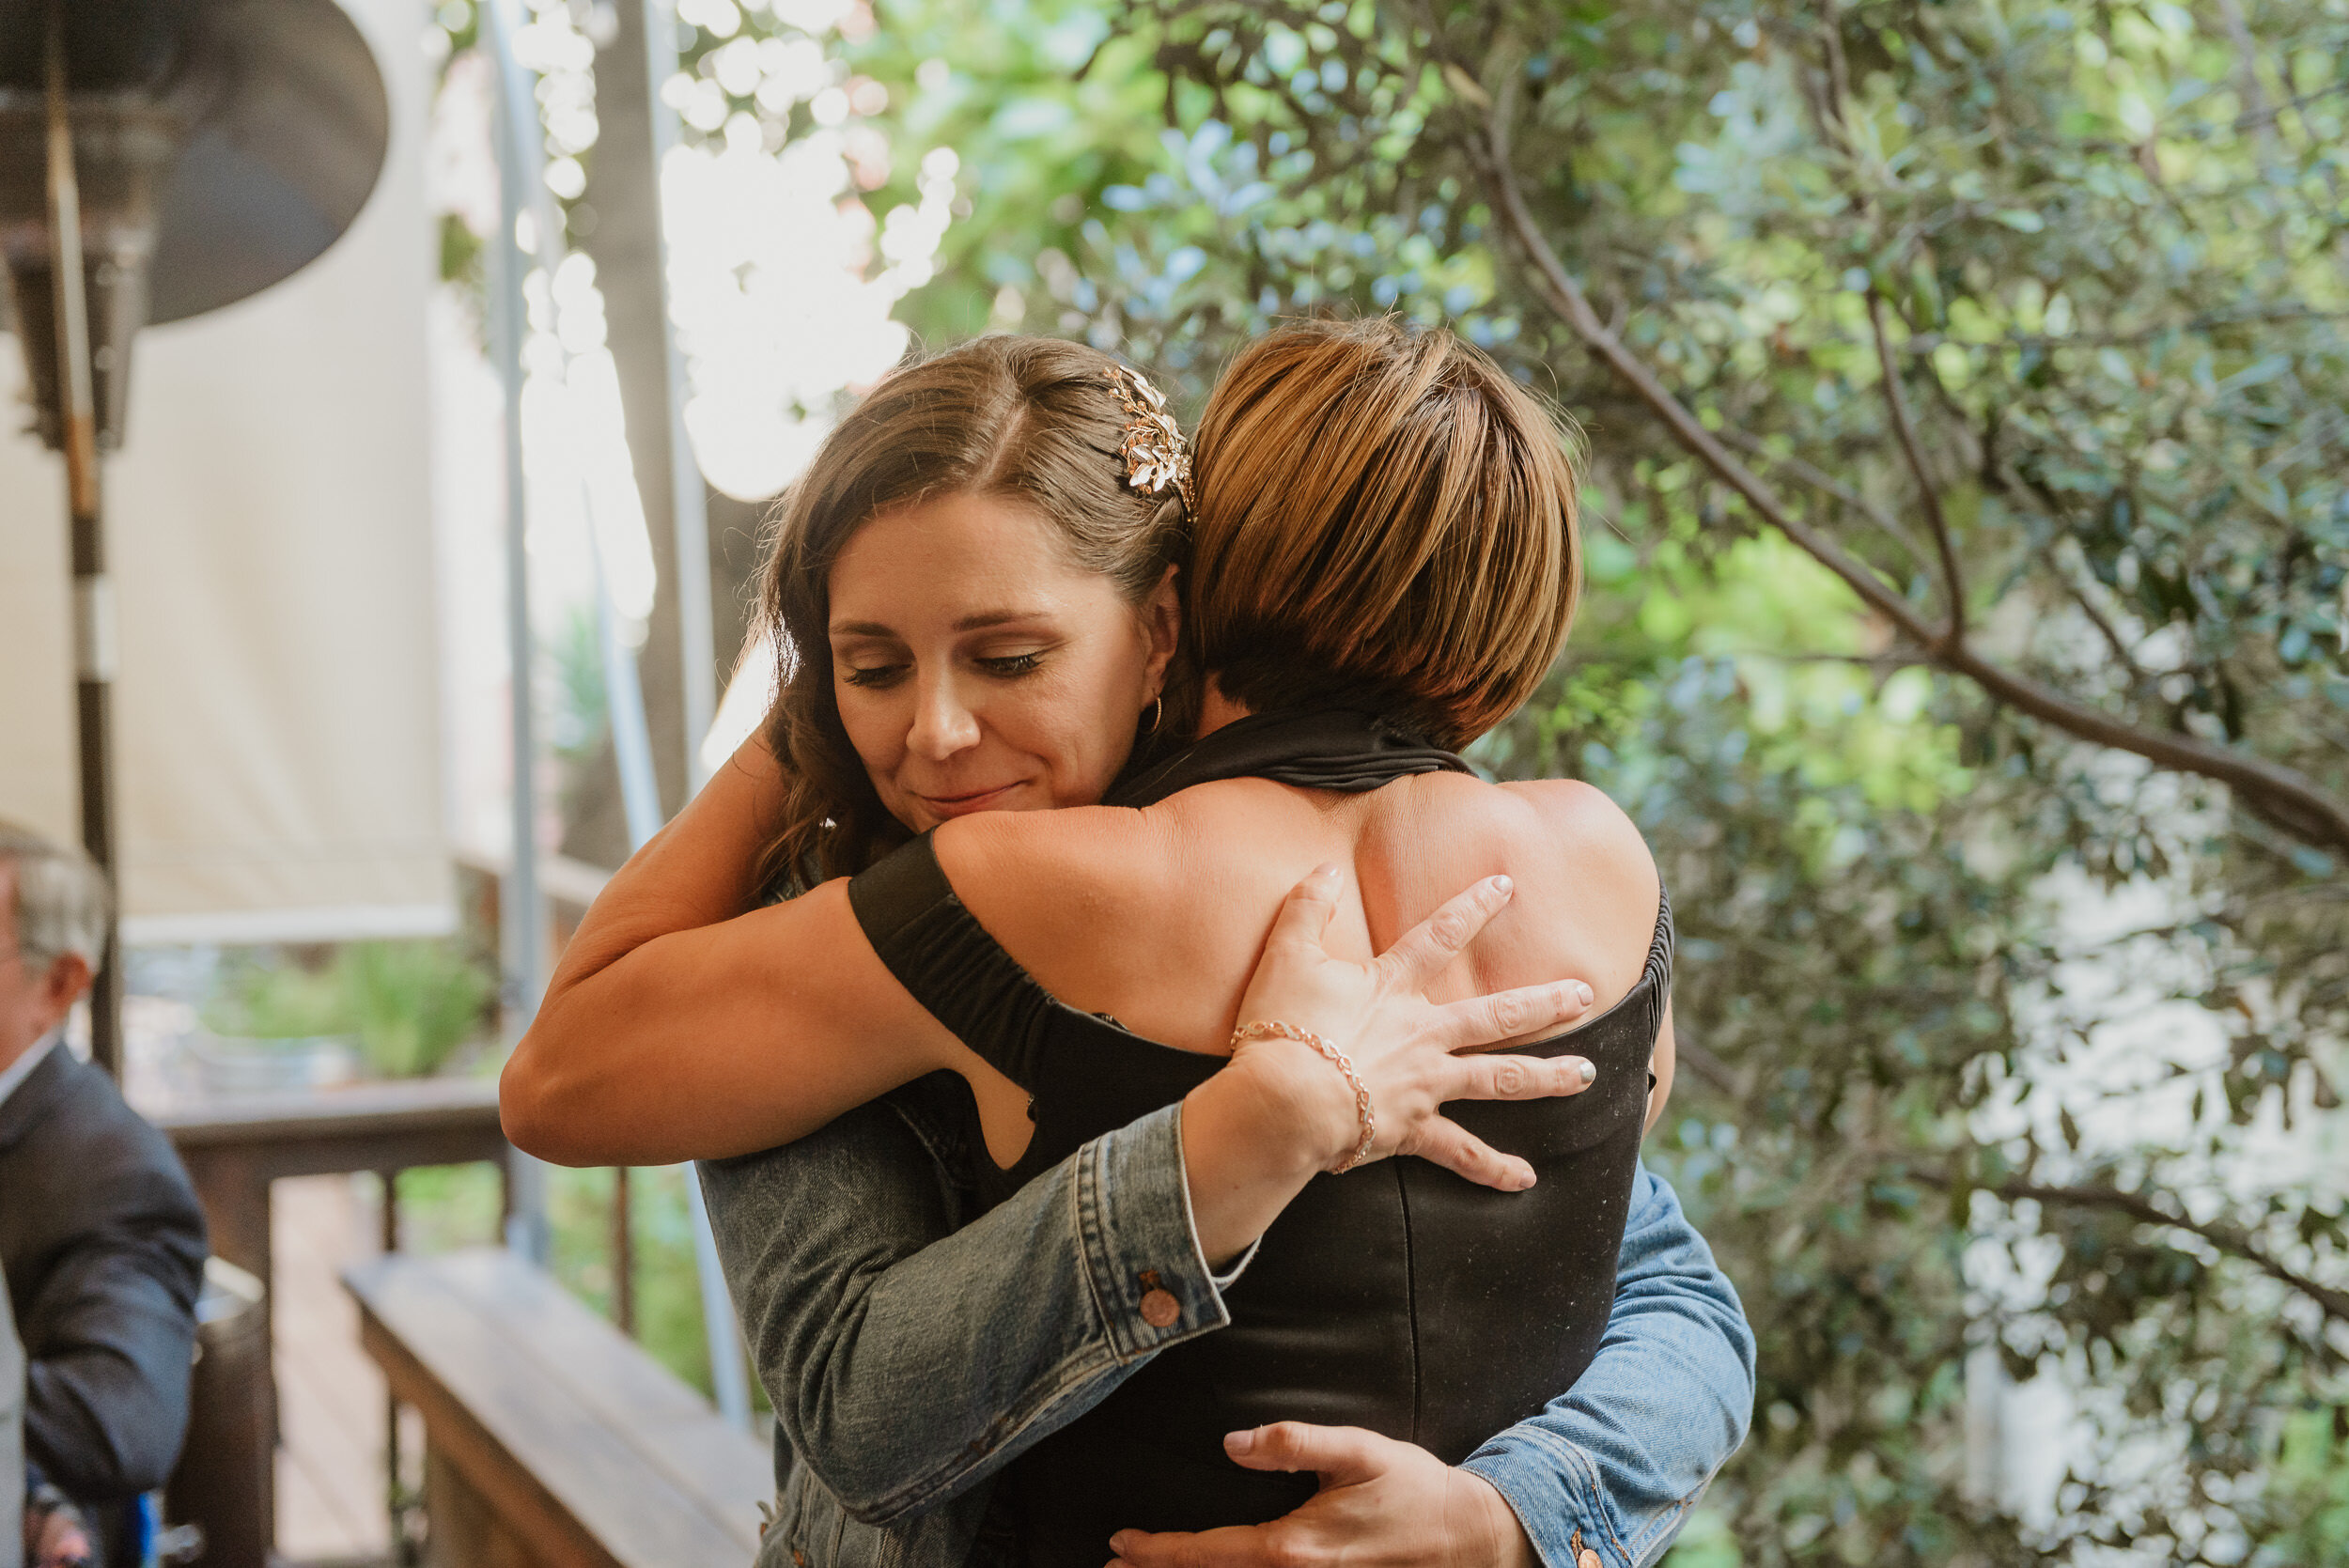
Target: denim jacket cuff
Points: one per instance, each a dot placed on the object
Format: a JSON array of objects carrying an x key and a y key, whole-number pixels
[
  {"x": 1555, "y": 1493},
  {"x": 1151, "y": 1281}
]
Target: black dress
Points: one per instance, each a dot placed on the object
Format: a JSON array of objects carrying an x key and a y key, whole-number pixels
[{"x": 1398, "y": 1297}]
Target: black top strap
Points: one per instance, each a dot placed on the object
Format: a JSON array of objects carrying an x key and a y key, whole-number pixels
[
  {"x": 944, "y": 957},
  {"x": 1313, "y": 749}
]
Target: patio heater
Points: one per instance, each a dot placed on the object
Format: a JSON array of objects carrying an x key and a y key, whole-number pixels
[{"x": 159, "y": 159}]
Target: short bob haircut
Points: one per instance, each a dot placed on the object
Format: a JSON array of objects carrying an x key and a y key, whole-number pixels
[{"x": 1386, "y": 520}]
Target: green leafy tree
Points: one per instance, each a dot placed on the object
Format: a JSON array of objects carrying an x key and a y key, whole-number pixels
[
  {"x": 1969, "y": 534},
  {"x": 1969, "y": 633}
]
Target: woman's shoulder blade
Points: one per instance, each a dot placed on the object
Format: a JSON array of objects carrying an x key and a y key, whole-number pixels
[{"x": 1584, "y": 821}]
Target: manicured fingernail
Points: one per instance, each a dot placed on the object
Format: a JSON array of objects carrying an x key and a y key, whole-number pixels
[
  {"x": 1237, "y": 1442},
  {"x": 1584, "y": 1069},
  {"x": 1505, "y": 887},
  {"x": 1119, "y": 1542},
  {"x": 1327, "y": 868},
  {"x": 1525, "y": 1181},
  {"x": 1584, "y": 991}
]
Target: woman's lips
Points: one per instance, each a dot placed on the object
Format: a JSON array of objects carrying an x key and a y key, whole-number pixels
[{"x": 962, "y": 805}]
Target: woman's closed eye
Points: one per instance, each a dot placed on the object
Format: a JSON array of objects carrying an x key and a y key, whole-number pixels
[
  {"x": 873, "y": 675},
  {"x": 1010, "y": 666}
]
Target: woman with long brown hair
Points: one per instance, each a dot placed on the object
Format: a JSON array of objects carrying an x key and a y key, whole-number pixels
[{"x": 1383, "y": 559}]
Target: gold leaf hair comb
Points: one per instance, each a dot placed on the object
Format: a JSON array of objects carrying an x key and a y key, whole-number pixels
[{"x": 1154, "y": 449}]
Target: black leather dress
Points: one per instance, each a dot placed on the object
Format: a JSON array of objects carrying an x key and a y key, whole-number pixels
[{"x": 1398, "y": 1297}]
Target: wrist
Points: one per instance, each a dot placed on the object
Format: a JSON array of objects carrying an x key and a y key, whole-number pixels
[
  {"x": 1501, "y": 1535},
  {"x": 1302, "y": 1103},
  {"x": 1242, "y": 1162}
]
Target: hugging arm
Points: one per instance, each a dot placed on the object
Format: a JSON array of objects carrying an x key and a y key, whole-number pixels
[
  {"x": 1619, "y": 1459},
  {"x": 618, "y": 1068},
  {"x": 862, "y": 1300}
]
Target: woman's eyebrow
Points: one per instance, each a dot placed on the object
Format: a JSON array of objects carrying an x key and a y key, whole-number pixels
[{"x": 978, "y": 622}]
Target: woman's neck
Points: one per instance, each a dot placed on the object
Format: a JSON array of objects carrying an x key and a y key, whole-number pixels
[{"x": 1216, "y": 711}]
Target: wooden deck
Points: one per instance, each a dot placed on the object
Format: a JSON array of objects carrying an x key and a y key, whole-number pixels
[
  {"x": 551, "y": 1440},
  {"x": 252, "y": 1157},
  {"x": 331, "y": 1504}
]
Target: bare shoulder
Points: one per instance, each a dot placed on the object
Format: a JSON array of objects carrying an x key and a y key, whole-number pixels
[
  {"x": 1561, "y": 827},
  {"x": 1047, "y": 878},
  {"x": 1593, "y": 835}
]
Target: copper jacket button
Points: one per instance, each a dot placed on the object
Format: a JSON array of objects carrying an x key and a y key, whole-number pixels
[{"x": 1159, "y": 1308}]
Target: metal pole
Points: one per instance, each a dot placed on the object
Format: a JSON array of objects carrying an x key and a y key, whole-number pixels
[
  {"x": 640, "y": 796},
  {"x": 623, "y": 1253},
  {"x": 521, "y": 912},
  {"x": 688, "y": 499},
  {"x": 521, "y": 149},
  {"x": 93, "y": 590},
  {"x": 690, "y": 512}
]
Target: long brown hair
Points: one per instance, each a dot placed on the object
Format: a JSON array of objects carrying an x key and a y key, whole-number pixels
[
  {"x": 1036, "y": 418},
  {"x": 1385, "y": 519}
]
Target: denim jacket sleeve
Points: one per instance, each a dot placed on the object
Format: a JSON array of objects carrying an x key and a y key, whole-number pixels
[
  {"x": 907, "y": 1359},
  {"x": 1612, "y": 1466}
]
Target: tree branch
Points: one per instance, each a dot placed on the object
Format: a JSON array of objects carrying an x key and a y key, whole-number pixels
[
  {"x": 2137, "y": 675},
  {"x": 1929, "y": 493},
  {"x": 2286, "y": 796},
  {"x": 1825, "y": 483},
  {"x": 1714, "y": 1072},
  {"x": 2331, "y": 1298}
]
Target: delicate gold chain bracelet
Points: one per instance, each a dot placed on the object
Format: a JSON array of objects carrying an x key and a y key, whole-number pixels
[{"x": 1339, "y": 1059}]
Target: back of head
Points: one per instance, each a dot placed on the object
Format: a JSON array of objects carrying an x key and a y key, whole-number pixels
[
  {"x": 1385, "y": 518},
  {"x": 1037, "y": 419},
  {"x": 60, "y": 898}
]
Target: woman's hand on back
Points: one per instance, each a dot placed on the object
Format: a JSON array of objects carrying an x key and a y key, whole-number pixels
[
  {"x": 1412, "y": 1055},
  {"x": 1258, "y": 1131},
  {"x": 1382, "y": 1505}
]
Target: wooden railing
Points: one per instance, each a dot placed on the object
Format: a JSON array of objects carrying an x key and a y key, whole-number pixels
[
  {"x": 550, "y": 1441},
  {"x": 233, "y": 1149}
]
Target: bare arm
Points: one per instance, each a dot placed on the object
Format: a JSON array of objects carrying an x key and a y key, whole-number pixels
[
  {"x": 677, "y": 1028},
  {"x": 681, "y": 1024}
]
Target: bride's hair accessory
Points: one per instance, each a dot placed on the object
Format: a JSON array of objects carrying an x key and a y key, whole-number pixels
[
  {"x": 1337, "y": 1059},
  {"x": 1154, "y": 449}
]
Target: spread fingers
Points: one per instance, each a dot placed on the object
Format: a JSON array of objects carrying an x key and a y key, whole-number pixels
[
  {"x": 1510, "y": 1014},
  {"x": 1306, "y": 913},
  {"x": 1519, "y": 1078},
  {"x": 1443, "y": 1142},
  {"x": 1428, "y": 948}
]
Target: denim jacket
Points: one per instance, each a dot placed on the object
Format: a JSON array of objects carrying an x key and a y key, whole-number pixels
[{"x": 911, "y": 1347}]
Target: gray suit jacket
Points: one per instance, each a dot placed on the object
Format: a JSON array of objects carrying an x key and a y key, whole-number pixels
[
  {"x": 102, "y": 1244},
  {"x": 11, "y": 1440}
]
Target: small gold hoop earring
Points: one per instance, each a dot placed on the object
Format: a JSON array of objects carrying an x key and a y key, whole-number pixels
[{"x": 1158, "y": 711}]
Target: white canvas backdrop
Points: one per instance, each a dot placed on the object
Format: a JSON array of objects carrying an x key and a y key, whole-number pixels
[{"x": 270, "y": 528}]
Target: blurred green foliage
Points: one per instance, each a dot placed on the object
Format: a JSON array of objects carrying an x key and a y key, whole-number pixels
[
  {"x": 449, "y": 1206},
  {"x": 2010, "y": 1045},
  {"x": 409, "y": 1004},
  {"x": 2011, "y": 1029}
]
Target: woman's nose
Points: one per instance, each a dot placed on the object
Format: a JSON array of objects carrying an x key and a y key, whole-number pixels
[{"x": 943, "y": 724}]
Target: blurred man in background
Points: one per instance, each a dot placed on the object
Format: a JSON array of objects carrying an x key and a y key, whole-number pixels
[
  {"x": 11, "y": 1440},
  {"x": 100, "y": 1236}
]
